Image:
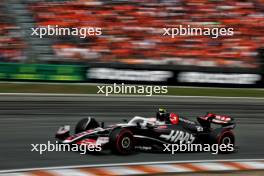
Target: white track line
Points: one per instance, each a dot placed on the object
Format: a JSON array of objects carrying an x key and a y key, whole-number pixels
[{"x": 102, "y": 95}]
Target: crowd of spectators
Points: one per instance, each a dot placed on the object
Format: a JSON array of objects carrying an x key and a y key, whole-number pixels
[
  {"x": 132, "y": 31},
  {"x": 11, "y": 44}
]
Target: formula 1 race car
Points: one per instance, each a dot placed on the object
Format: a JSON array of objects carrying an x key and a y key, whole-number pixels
[{"x": 149, "y": 134}]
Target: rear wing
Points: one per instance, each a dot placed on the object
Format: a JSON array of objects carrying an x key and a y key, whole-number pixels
[{"x": 223, "y": 120}]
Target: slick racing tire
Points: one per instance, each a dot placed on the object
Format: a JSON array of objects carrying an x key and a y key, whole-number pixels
[
  {"x": 86, "y": 124},
  {"x": 226, "y": 137},
  {"x": 121, "y": 141}
]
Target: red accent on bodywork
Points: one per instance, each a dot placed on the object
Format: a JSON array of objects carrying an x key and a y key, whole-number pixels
[
  {"x": 86, "y": 141},
  {"x": 222, "y": 118},
  {"x": 163, "y": 126}
]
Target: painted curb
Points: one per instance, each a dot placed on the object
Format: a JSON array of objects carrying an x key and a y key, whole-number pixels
[{"x": 145, "y": 169}]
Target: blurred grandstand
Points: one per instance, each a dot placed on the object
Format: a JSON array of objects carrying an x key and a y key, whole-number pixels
[
  {"x": 11, "y": 43},
  {"x": 132, "y": 32}
]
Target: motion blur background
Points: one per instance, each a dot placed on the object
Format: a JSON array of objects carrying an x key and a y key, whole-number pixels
[
  {"x": 131, "y": 49},
  {"x": 132, "y": 42}
]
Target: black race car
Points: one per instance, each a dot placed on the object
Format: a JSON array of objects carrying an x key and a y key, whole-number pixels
[{"x": 149, "y": 134}]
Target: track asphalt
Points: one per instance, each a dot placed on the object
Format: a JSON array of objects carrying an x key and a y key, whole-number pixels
[{"x": 31, "y": 119}]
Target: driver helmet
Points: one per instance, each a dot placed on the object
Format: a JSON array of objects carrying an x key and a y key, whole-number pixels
[
  {"x": 162, "y": 115},
  {"x": 174, "y": 118}
]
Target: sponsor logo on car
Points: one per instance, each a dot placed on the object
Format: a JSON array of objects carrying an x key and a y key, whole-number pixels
[{"x": 178, "y": 136}]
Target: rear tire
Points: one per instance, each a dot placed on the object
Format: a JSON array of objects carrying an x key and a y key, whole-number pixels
[
  {"x": 86, "y": 124},
  {"x": 224, "y": 136},
  {"x": 121, "y": 141}
]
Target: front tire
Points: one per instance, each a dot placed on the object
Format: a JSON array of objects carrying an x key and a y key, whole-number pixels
[{"x": 121, "y": 141}]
